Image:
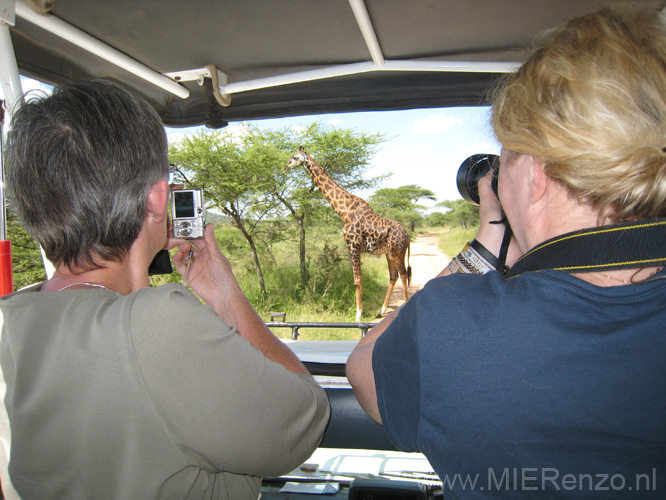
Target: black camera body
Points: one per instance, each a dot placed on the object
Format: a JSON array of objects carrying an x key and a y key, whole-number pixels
[{"x": 471, "y": 170}]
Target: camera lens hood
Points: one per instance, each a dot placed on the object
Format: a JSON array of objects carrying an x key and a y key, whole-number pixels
[{"x": 471, "y": 170}]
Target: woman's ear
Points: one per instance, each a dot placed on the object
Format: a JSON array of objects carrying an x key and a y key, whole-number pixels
[
  {"x": 158, "y": 197},
  {"x": 538, "y": 178}
]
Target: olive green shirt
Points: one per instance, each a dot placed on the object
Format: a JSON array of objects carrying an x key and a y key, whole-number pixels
[{"x": 146, "y": 396}]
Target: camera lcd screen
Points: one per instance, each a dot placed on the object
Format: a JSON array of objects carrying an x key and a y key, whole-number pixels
[{"x": 184, "y": 204}]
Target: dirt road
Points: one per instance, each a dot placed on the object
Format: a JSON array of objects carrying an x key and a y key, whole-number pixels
[{"x": 427, "y": 260}]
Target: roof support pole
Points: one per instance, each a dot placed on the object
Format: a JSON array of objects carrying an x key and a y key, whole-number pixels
[
  {"x": 11, "y": 85},
  {"x": 368, "y": 66},
  {"x": 369, "y": 35},
  {"x": 10, "y": 80},
  {"x": 9, "y": 73}
]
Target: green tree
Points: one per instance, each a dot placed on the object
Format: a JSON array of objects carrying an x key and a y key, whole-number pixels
[
  {"x": 27, "y": 263},
  {"x": 436, "y": 219},
  {"x": 461, "y": 212},
  {"x": 235, "y": 174},
  {"x": 401, "y": 203},
  {"x": 245, "y": 177}
]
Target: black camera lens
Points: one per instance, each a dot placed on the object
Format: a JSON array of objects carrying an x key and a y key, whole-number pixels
[{"x": 471, "y": 170}]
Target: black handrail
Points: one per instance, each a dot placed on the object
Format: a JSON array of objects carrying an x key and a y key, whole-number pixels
[{"x": 297, "y": 325}]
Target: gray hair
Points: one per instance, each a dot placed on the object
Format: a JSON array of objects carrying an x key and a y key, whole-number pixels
[{"x": 79, "y": 165}]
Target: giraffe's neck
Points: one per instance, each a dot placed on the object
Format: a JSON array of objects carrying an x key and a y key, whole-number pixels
[{"x": 341, "y": 200}]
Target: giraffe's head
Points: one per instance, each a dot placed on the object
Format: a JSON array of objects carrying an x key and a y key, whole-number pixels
[{"x": 299, "y": 159}]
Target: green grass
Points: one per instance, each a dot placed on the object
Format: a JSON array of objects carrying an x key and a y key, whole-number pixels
[
  {"x": 452, "y": 241},
  {"x": 329, "y": 297}
]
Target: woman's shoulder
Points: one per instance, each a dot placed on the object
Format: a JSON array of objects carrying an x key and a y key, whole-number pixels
[
  {"x": 166, "y": 291},
  {"x": 170, "y": 298},
  {"x": 169, "y": 308}
]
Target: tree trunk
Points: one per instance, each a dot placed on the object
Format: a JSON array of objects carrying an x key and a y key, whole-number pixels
[
  {"x": 300, "y": 220},
  {"x": 253, "y": 248},
  {"x": 305, "y": 274}
]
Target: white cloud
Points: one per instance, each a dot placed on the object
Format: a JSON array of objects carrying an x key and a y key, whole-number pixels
[
  {"x": 335, "y": 122},
  {"x": 435, "y": 123},
  {"x": 240, "y": 130},
  {"x": 298, "y": 129}
]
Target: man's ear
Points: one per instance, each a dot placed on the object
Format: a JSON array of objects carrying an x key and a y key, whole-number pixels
[{"x": 158, "y": 197}]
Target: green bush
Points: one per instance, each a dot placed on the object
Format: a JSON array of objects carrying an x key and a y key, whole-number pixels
[{"x": 27, "y": 263}]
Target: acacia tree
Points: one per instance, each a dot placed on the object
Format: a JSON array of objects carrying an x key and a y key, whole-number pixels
[
  {"x": 246, "y": 178},
  {"x": 401, "y": 203},
  {"x": 235, "y": 175},
  {"x": 460, "y": 212}
]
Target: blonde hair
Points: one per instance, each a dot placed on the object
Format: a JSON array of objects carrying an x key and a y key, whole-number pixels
[{"x": 591, "y": 103}]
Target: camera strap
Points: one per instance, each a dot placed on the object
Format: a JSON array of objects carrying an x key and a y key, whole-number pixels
[
  {"x": 618, "y": 246},
  {"x": 504, "y": 249}
]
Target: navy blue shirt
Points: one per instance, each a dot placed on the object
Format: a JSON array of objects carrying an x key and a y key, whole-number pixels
[{"x": 542, "y": 384}]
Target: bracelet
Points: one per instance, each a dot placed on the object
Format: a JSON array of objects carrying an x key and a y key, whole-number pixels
[
  {"x": 485, "y": 254},
  {"x": 469, "y": 261},
  {"x": 455, "y": 266}
]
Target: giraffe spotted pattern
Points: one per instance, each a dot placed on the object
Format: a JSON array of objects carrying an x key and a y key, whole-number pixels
[{"x": 364, "y": 230}]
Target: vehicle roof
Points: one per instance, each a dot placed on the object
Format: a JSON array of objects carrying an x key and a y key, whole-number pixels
[{"x": 250, "y": 40}]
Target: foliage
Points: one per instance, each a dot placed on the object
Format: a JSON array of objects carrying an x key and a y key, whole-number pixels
[
  {"x": 436, "y": 219},
  {"x": 401, "y": 204},
  {"x": 244, "y": 176},
  {"x": 27, "y": 263},
  {"x": 235, "y": 174},
  {"x": 329, "y": 295},
  {"x": 460, "y": 213}
]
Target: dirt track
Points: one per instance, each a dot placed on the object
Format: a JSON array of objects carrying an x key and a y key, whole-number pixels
[{"x": 427, "y": 260}]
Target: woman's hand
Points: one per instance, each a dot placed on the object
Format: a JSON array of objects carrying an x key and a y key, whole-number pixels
[
  {"x": 490, "y": 210},
  {"x": 210, "y": 275}
]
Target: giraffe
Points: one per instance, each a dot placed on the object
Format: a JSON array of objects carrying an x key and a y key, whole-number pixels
[{"x": 364, "y": 231}]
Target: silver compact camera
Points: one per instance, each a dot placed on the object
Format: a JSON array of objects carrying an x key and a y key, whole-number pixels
[{"x": 187, "y": 213}]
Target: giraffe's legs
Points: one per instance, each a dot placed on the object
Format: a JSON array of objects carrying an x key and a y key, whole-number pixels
[
  {"x": 396, "y": 267},
  {"x": 355, "y": 254},
  {"x": 405, "y": 284},
  {"x": 405, "y": 275},
  {"x": 389, "y": 291},
  {"x": 393, "y": 277},
  {"x": 359, "y": 300}
]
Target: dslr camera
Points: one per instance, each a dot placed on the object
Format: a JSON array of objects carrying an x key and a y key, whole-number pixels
[
  {"x": 471, "y": 170},
  {"x": 187, "y": 213}
]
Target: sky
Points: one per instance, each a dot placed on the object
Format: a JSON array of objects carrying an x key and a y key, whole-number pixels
[{"x": 423, "y": 147}]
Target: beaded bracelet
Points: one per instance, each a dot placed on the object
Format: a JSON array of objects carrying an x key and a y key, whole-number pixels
[{"x": 471, "y": 261}]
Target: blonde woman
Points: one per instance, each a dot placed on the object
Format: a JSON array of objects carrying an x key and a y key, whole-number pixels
[{"x": 548, "y": 381}]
